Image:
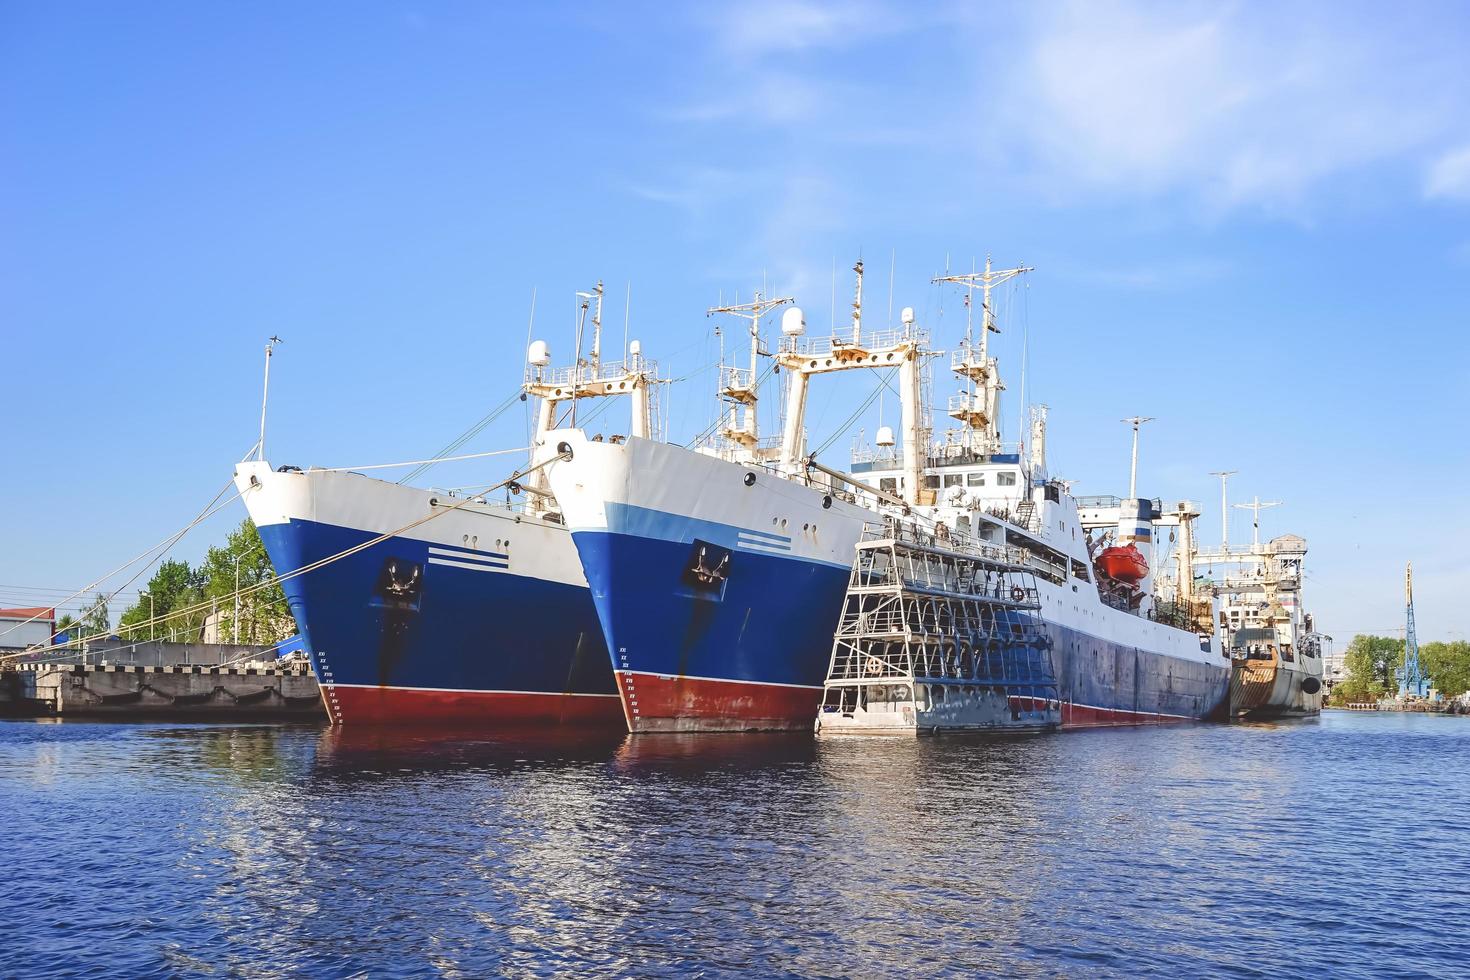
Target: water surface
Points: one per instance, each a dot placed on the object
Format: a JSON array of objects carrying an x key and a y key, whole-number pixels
[{"x": 1334, "y": 847}]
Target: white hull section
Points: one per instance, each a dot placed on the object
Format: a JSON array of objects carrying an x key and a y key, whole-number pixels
[{"x": 462, "y": 537}]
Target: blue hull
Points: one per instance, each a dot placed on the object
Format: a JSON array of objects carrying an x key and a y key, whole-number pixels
[
  {"x": 752, "y": 651},
  {"x": 398, "y": 637}
]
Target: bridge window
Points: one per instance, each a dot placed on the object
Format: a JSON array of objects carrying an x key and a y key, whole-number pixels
[
  {"x": 1005, "y": 479},
  {"x": 975, "y": 479},
  {"x": 953, "y": 480}
]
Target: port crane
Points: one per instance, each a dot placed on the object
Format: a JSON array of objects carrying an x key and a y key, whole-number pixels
[{"x": 1412, "y": 682}]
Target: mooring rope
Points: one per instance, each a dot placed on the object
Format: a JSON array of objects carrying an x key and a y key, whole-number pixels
[
  {"x": 304, "y": 569},
  {"x": 209, "y": 511}
]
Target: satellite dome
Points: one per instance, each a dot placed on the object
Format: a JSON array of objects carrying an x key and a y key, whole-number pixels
[
  {"x": 793, "y": 322},
  {"x": 539, "y": 355}
]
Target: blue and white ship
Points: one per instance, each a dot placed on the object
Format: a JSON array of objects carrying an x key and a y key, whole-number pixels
[
  {"x": 719, "y": 573},
  {"x": 423, "y": 606}
]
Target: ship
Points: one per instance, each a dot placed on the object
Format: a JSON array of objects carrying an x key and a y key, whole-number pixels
[
  {"x": 720, "y": 571},
  {"x": 450, "y": 608},
  {"x": 1276, "y": 650}
]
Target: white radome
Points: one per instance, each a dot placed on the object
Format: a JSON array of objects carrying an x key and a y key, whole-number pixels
[{"x": 793, "y": 322}]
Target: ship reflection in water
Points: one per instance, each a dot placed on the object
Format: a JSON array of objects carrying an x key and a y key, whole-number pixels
[{"x": 1272, "y": 847}]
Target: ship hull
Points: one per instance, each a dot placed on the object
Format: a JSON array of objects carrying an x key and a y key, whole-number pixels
[
  {"x": 1264, "y": 690},
  {"x": 471, "y": 619},
  {"x": 751, "y": 650}
]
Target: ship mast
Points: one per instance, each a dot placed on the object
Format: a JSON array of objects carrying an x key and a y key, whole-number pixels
[
  {"x": 1255, "y": 507},
  {"x": 586, "y": 378},
  {"x": 1135, "y": 421},
  {"x": 741, "y": 390},
  {"x": 978, "y": 412},
  {"x": 1224, "y": 476},
  {"x": 903, "y": 348}
]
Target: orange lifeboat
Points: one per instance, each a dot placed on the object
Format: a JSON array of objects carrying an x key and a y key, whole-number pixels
[{"x": 1125, "y": 564}]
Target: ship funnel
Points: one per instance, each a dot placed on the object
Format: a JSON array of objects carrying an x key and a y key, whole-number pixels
[
  {"x": 539, "y": 355},
  {"x": 885, "y": 435},
  {"x": 793, "y": 322}
]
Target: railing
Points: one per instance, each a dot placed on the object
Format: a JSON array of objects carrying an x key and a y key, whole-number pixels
[
  {"x": 885, "y": 455},
  {"x": 965, "y": 402},
  {"x": 965, "y": 357},
  {"x": 586, "y": 373},
  {"x": 810, "y": 347},
  {"x": 735, "y": 378},
  {"x": 967, "y": 545}
]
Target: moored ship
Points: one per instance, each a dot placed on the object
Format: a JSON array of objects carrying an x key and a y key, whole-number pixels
[
  {"x": 719, "y": 574},
  {"x": 431, "y": 607},
  {"x": 1275, "y": 647}
]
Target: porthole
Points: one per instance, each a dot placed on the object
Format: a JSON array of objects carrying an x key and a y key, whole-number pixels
[
  {"x": 783, "y": 523},
  {"x": 465, "y": 539},
  {"x": 750, "y": 479},
  {"x": 827, "y": 502}
]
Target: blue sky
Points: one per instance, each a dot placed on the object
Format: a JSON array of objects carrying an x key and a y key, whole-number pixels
[{"x": 1251, "y": 222}]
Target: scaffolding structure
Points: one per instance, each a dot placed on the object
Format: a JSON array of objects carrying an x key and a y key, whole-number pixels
[{"x": 938, "y": 633}]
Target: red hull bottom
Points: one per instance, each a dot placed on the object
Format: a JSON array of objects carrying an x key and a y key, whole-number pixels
[
  {"x": 653, "y": 703},
  {"x": 1082, "y": 716},
  {"x": 397, "y": 706}
]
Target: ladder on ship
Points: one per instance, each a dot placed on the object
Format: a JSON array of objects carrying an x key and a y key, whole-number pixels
[{"x": 939, "y": 633}]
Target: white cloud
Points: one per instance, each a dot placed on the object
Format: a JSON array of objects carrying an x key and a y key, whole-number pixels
[
  {"x": 767, "y": 97},
  {"x": 770, "y": 26},
  {"x": 693, "y": 189},
  {"x": 1142, "y": 99},
  {"x": 1449, "y": 176}
]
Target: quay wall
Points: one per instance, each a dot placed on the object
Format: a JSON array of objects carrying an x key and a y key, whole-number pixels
[{"x": 239, "y": 693}]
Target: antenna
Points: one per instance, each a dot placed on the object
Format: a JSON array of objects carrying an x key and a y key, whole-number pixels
[
  {"x": 1135, "y": 421},
  {"x": 857, "y": 304},
  {"x": 985, "y": 282},
  {"x": 892, "y": 264},
  {"x": 1255, "y": 507},
  {"x": 981, "y": 412},
  {"x": 627, "y": 309},
  {"x": 1224, "y": 476},
  {"x": 265, "y": 393},
  {"x": 754, "y": 312},
  {"x": 597, "y": 326},
  {"x": 583, "y": 302},
  {"x": 832, "y": 310}
]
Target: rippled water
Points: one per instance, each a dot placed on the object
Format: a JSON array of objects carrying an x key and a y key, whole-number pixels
[{"x": 1337, "y": 847}]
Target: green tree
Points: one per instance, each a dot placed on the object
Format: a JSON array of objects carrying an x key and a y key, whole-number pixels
[
  {"x": 69, "y": 625},
  {"x": 1370, "y": 662},
  {"x": 95, "y": 621},
  {"x": 1448, "y": 666},
  {"x": 264, "y": 615},
  {"x": 174, "y": 586}
]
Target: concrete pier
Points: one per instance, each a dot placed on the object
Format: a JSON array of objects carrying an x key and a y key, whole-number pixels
[{"x": 242, "y": 692}]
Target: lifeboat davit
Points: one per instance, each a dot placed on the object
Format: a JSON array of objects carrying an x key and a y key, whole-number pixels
[{"x": 1125, "y": 564}]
